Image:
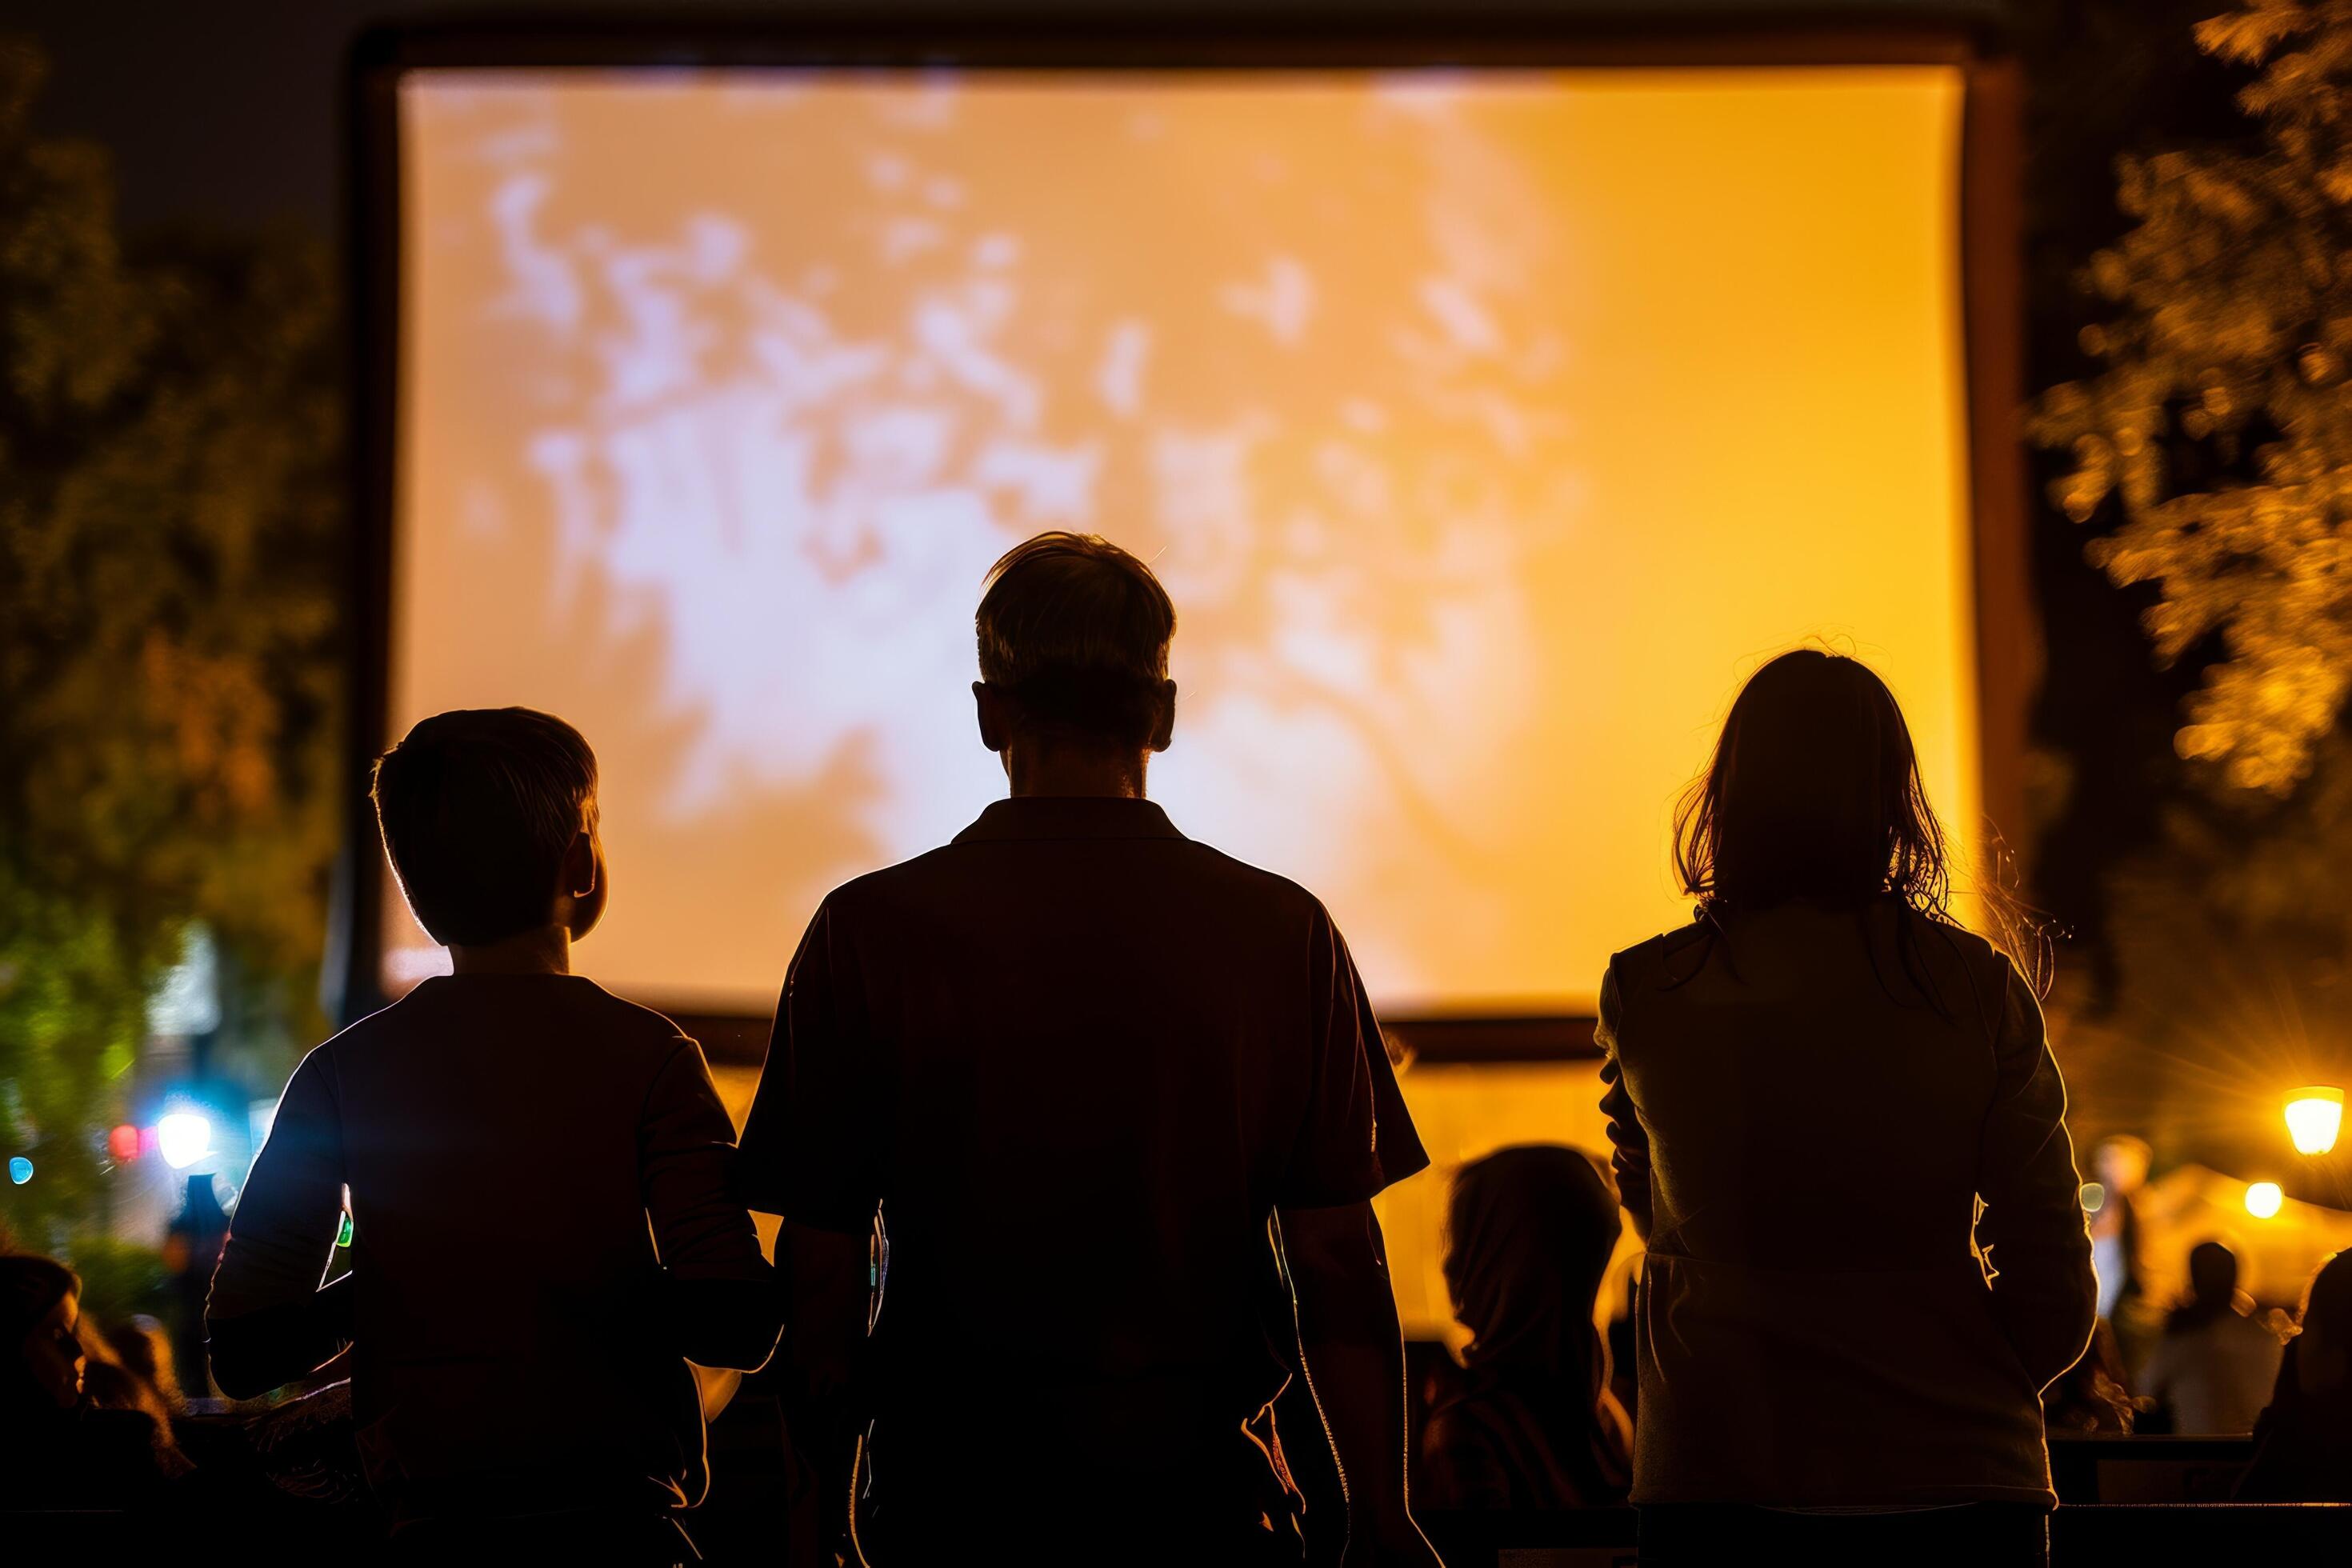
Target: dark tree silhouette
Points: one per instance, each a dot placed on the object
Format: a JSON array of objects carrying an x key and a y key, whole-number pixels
[{"x": 169, "y": 661}]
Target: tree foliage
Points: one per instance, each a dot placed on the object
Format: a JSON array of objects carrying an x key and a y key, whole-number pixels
[
  {"x": 169, "y": 656},
  {"x": 2221, "y": 419}
]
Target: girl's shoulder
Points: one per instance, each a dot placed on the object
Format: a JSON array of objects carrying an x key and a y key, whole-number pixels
[{"x": 1644, "y": 957}]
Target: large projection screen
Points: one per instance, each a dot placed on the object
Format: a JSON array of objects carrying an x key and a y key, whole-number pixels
[{"x": 1487, "y": 426}]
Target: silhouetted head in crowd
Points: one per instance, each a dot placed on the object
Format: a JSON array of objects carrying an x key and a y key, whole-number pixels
[
  {"x": 77, "y": 1430},
  {"x": 40, "y": 1322},
  {"x": 2212, "y": 1287},
  {"x": 489, "y": 820},
  {"x": 2122, "y": 1163},
  {"x": 109, "y": 1383},
  {"x": 145, "y": 1350},
  {"x": 1813, "y": 794},
  {"x": 1529, "y": 1235},
  {"x": 1074, "y": 693},
  {"x": 2323, "y": 1350}
]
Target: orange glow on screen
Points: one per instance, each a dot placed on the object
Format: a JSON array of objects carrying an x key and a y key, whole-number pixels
[{"x": 1487, "y": 429}]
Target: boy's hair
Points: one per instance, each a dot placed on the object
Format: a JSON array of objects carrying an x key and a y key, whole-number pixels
[
  {"x": 1076, "y": 631},
  {"x": 478, "y": 807}
]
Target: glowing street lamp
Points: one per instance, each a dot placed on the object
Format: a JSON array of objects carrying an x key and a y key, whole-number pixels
[
  {"x": 183, "y": 1138},
  {"x": 2314, "y": 1117},
  {"x": 2264, "y": 1199}
]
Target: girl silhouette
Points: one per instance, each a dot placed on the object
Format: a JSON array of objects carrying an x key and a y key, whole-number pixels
[{"x": 1840, "y": 1129}]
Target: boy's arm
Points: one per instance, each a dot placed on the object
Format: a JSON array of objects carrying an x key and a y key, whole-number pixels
[
  {"x": 1354, "y": 1354},
  {"x": 721, "y": 1298},
  {"x": 267, "y": 1321}
]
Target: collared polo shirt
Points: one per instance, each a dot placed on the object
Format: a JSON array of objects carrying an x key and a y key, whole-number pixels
[{"x": 1075, "y": 1059}]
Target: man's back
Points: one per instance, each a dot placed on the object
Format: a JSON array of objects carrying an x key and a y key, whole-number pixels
[
  {"x": 1088, "y": 1058},
  {"x": 503, "y": 1137}
]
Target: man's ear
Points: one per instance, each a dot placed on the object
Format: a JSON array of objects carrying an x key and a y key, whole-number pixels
[
  {"x": 1163, "y": 730},
  {"x": 989, "y": 703}
]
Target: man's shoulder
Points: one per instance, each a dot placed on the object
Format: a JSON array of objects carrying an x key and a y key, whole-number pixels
[
  {"x": 891, "y": 884},
  {"x": 1214, "y": 865}
]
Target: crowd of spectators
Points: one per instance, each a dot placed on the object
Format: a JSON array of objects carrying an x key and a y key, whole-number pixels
[{"x": 1868, "y": 1286}]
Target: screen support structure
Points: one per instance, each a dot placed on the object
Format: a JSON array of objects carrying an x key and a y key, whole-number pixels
[{"x": 2008, "y": 645}]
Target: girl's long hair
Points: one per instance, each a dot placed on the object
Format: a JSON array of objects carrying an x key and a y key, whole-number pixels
[{"x": 1813, "y": 794}]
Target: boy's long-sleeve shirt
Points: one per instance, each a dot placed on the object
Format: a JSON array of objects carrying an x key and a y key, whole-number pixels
[{"x": 544, "y": 1235}]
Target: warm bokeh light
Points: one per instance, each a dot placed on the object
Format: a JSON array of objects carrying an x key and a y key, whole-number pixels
[
  {"x": 2094, "y": 1198},
  {"x": 1489, "y": 427},
  {"x": 2263, "y": 1200},
  {"x": 183, "y": 1138},
  {"x": 2314, "y": 1117},
  {"x": 122, "y": 1144}
]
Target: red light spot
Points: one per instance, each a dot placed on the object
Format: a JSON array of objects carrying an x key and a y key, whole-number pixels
[{"x": 122, "y": 1144}]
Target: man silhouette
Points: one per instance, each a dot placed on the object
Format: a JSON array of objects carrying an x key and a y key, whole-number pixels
[{"x": 1075, "y": 1125}]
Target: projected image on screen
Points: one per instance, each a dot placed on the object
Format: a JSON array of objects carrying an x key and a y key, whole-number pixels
[{"x": 1487, "y": 429}]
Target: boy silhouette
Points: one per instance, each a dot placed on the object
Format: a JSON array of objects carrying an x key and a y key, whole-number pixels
[
  {"x": 502, "y": 1135},
  {"x": 1075, "y": 1125}
]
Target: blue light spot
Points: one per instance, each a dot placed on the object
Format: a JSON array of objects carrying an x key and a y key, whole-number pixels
[{"x": 20, "y": 1170}]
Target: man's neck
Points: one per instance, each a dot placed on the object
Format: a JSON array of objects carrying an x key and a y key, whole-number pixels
[
  {"x": 547, "y": 951},
  {"x": 1072, "y": 771}
]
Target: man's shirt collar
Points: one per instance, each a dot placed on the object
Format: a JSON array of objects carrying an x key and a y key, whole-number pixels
[{"x": 1047, "y": 817}]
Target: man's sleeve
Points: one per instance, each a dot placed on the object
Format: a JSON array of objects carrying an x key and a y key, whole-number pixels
[
  {"x": 1356, "y": 1139},
  {"x": 265, "y": 1318},
  {"x": 723, "y": 1300},
  {"x": 811, "y": 1145},
  {"x": 1628, "y": 1140}
]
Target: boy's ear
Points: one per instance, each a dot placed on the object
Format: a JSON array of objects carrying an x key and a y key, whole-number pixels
[
  {"x": 581, "y": 870},
  {"x": 580, "y": 896}
]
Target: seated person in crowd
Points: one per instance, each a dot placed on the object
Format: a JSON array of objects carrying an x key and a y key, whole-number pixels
[
  {"x": 59, "y": 1447},
  {"x": 1033, "y": 1101},
  {"x": 2214, "y": 1365},
  {"x": 144, "y": 1348},
  {"x": 2120, "y": 1164},
  {"x": 111, "y": 1385},
  {"x": 2303, "y": 1442},
  {"x": 1528, "y": 1237},
  {"x": 504, "y": 1134}
]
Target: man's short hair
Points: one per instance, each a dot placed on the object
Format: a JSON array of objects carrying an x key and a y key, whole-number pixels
[
  {"x": 1076, "y": 631},
  {"x": 478, "y": 806}
]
